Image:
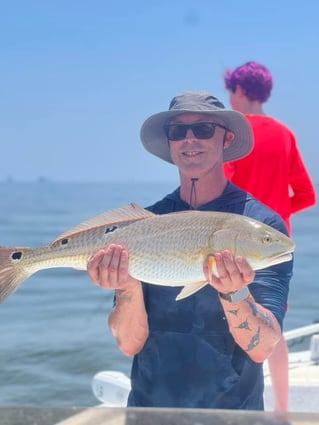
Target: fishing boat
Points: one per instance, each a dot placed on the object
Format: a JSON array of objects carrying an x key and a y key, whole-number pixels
[
  {"x": 111, "y": 387},
  {"x": 303, "y": 371}
]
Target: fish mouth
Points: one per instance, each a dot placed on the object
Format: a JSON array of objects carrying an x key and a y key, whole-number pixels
[
  {"x": 281, "y": 258},
  {"x": 271, "y": 261}
]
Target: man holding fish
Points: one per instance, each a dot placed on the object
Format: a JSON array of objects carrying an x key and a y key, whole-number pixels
[{"x": 206, "y": 349}]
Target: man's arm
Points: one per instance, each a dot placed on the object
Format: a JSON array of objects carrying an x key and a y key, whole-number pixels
[
  {"x": 303, "y": 190},
  {"x": 254, "y": 328},
  {"x": 128, "y": 320}
]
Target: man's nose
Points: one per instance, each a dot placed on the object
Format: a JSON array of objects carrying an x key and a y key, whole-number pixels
[{"x": 190, "y": 135}]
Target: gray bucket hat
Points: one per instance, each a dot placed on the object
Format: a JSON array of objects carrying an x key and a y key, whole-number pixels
[{"x": 154, "y": 138}]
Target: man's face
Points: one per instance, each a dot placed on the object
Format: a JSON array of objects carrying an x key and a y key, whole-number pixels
[{"x": 194, "y": 155}]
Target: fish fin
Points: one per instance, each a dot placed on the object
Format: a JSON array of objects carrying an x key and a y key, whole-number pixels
[
  {"x": 119, "y": 216},
  {"x": 211, "y": 263},
  {"x": 12, "y": 274},
  {"x": 81, "y": 268},
  {"x": 190, "y": 289}
]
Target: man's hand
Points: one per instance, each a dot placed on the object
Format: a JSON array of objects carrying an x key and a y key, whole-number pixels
[
  {"x": 109, "y": 268},
  {"x": 234, "y": 272}
]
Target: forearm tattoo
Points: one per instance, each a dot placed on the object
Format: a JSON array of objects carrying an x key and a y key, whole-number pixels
[
  {"x": 265, "y": 317},
  {"x": 254, "y": 341},
  {"x": 123, "y": 295},
  {"x": 244, "y": 325},
  {"x": 258, "y": 312}
]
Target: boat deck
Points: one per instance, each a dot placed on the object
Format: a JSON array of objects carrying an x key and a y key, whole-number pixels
[{"x": 150, "y": 416}]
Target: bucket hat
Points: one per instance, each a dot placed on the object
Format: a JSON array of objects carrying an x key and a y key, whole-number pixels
[{"x": 154, "y": 138}]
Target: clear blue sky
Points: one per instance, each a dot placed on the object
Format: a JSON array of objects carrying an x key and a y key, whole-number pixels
[{"x": 78, "y": 78}]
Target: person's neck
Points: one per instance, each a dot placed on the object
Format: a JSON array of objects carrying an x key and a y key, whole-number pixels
[
  {"x": 252, "y": 108},
  {"x": 198, "y": 191}
]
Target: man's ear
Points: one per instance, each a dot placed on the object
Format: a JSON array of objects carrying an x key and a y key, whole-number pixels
[
  {"x": 240, "y": 91},
  {"x": 228, "y": 138}
]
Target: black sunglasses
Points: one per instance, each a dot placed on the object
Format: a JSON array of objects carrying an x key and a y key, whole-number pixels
[{"x": 201, "y": 130}]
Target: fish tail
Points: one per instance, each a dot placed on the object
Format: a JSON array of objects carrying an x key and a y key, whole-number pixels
[{"x": 12, "y": 271}]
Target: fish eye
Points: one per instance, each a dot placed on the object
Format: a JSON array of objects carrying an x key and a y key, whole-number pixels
[{"x": 267, "y": 239}]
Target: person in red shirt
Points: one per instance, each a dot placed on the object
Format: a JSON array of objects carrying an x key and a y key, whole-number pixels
[{"x": 274, "y": 172}]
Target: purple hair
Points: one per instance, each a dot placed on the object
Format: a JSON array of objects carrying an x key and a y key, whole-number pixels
[{"x": 253, "y": 77}]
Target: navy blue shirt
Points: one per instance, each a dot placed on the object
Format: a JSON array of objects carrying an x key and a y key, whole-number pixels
[{"x": 190, "y": 359}]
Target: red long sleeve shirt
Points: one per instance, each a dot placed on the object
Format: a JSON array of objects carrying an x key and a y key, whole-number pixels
[{"x": 274, "y": 172}]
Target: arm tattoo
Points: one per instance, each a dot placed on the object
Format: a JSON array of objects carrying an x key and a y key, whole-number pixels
[
  {"x": 120, "y": 294},
  {"x": 234, "y": 312},
  {"x": 244, "y": 325},
  {"x": 253, "y": 308},
  {"x": 264, "y": 317},
  {"x": 254, "y": 341}
]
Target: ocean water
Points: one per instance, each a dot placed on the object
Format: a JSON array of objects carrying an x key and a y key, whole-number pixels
[{"x": 53, "y": 330}]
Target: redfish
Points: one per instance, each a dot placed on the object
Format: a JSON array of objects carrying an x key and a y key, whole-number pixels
[{"x": 168, "y": 249}]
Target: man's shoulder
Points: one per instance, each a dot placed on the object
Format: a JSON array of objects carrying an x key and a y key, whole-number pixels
[
  {"x": 261, "y": 212},
  {"x": 242, "y": 202}
]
